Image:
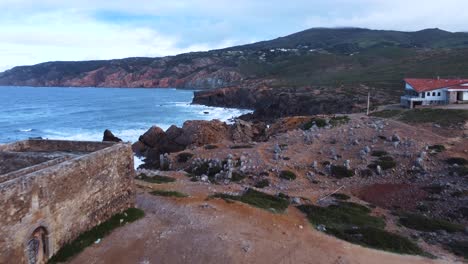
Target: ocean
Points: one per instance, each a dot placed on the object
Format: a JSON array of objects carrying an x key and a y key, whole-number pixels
[{"x": 84, "y": 113}]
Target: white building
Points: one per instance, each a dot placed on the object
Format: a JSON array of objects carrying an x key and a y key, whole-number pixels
[{"x": 434, "y": 91}]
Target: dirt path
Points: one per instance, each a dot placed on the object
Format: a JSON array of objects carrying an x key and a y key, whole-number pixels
[{"x": 193, "y": 230}]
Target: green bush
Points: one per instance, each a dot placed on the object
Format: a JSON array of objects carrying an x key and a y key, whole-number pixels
[
  {"x": 98, "y": 232},
  {"x": 287, "y": 175},
  {"x": 184, "y": 157},
  {"x": 422, "y": 223},
  {"x": 262, "y": 183},
  {"x": 340, "y": 172},
  {"x": 258, "y": 199}
]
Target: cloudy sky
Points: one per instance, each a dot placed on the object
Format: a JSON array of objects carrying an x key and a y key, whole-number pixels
[{"x": 37, "y": 31}]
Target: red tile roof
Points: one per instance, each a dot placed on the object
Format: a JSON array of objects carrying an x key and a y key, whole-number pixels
[{"x": 423, "y": 85}]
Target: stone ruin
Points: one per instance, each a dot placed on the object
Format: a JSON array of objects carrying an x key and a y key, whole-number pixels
[{"x": 51, "y": 191}]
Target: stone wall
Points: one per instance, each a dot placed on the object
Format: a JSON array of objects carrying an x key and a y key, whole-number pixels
[{"x": 62, "y": 198}]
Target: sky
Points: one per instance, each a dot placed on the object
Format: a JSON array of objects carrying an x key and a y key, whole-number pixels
[{"x": 35, "y": 31}]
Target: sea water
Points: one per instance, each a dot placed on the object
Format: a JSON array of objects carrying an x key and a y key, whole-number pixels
[{"x": 84, "y": 113}]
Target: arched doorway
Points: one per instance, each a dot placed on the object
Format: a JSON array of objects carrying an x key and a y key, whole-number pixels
[{"x": 37, "y": 248}]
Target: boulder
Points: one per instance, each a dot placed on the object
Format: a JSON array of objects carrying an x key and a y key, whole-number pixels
[{"x": 108, "y": 136}]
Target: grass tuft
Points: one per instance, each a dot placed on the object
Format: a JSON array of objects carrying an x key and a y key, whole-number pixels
[
  {"x": 262, "y": 183},
  {"x": 98, "y": 232},
  {"x": 168, "y": 193},
  {"x": 258, "y": 199},
  {"x": 156, "y": 179},
  {"x": 340, "y": 172},
  {"x": 287, "y": 175}
]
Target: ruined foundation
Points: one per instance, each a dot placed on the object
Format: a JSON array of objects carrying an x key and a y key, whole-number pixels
[{"x": 51, "y": 191}]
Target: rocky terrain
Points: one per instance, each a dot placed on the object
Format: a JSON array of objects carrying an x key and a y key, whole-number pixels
[{"x": 303, "y": 189}]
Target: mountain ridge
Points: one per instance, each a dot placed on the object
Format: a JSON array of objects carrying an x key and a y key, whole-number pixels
[{"x": 317, "y": 56}]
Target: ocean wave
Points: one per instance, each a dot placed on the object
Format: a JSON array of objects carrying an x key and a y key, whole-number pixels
[{"x": 25, "y": 130}]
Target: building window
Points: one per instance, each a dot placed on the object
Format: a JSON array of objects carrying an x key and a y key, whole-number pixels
[
  {"x": 438, "y": 94},
  {"x": 433, "y": 93},
  {"x": 428, "y": 94}
]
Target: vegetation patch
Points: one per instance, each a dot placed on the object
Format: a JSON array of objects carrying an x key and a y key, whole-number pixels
[
  {"x": 258, "y": 199},
  {"x": 184, "y": 157},
  {"x": 156, "y": 179},
  {"x": 385, "y": 162},
  {"x": 422, "y": 223},
  {"x": 352, "y": 222},
  {"x": 98, "y": 232},
  {"x": 443, "y": 117},
  {"x": 459, "y": 248},
  {"x": 243, "y": 146},
  {"x": 339, "y": 120},
  {"x": 287, "y": 175},
  {"x": 340, "y": 196},
  {"x": 209, "y": 146},
  {"x": 339, "y": 171},
  {"x": 168, "y": 193},
  {"x": 387, "y": 113},
  {"x": 262, "y": 183},
  {"x": 458, "y": 161},
  {"x": 238, "y": 176},
  {"x": 436, "y": 148},
  {"x": 379, "y": 153}
]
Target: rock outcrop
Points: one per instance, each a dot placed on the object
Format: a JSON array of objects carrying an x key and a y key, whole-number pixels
[{"x": 108, "y": 136}]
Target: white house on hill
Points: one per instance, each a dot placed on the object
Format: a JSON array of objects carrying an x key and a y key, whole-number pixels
[{"x": 434, "y": 91}]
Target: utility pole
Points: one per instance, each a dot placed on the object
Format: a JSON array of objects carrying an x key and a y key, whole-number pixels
[{"x": 368, "y": 100}]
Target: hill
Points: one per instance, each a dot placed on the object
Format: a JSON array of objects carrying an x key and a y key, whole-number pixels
[{"x": 326, "y": 58}]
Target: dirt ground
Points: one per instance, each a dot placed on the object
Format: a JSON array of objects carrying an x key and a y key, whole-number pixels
[
  {"x": 200, "y": 230},
  {"x": 192, "y": 230}
]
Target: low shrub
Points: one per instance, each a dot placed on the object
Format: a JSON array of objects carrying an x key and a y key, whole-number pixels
[
  {"x": 422, "y": 223},
  {"x": 156, "y": 179},
  {"x": 340, "y": 196},
  {"x": 287, "y": 175},
  {"x": 262, "y": 183},
  {"x": 385, "y": 162},
  {"x": 339, "y": 120},
  {"x": 168, "y": 193},
  {"x": 258, "y": 199},
  {"x": 98, "y": 232},
  {"x": 238, "y": 176},
  {"x": 184, "y": 157},
  {"x": 456, "y": 160},
  {"x": 209, "y": 146},
  {"x": 340, "y": 172},
  {"x": 366, "y": 173},
  {"x": 379, "y": 153},
  {"x": 460, "y": 171}
]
